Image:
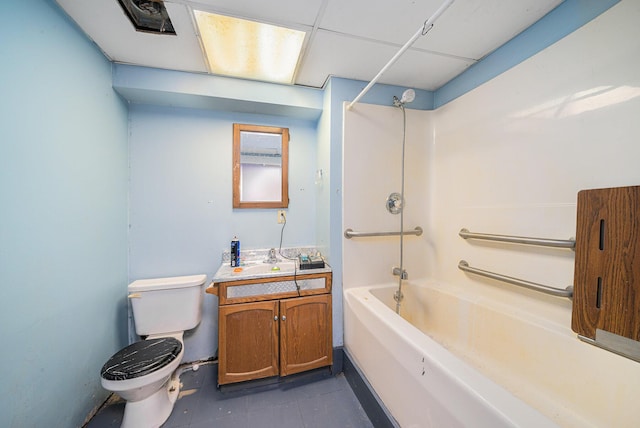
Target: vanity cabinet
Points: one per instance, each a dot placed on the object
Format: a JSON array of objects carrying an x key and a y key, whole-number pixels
[
  {"x": 267, "y": 327},
  {"x": 248, "y": 341}
]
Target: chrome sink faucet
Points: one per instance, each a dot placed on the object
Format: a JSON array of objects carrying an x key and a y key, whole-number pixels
[{"x": 272, "y": 256}]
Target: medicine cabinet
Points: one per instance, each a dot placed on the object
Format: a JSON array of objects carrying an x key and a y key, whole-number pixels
[{"x": 260, "y": 166}]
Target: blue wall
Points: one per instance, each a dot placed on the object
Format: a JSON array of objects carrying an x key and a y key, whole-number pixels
[
  {"x": 63, "y": 218},
  {"x": 180, "y": 159},
  {"x": 181, "y": 198}
]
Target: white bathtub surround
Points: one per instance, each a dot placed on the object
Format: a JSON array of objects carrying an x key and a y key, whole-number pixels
[
  {"x": 510, "y": 156},
  {"x": 374, "y": 133},
  {"x": 482, "y": 365},
  {"x": 506, "y": 158}
]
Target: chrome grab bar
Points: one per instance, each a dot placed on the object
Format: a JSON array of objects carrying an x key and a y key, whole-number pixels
[
  {"x": 349, "y": 233},
  {"x": 543, "y": 242},
  {"x": 568, "y": 292}
]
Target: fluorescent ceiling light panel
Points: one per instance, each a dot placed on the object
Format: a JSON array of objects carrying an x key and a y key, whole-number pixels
[{"x": 247, "y": 49}]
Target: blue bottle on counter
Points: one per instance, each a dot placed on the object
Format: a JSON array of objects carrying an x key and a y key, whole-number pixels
[{"x": 235, "y": 252}]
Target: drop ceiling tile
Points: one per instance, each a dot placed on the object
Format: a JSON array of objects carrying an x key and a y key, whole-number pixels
[
  {"x": 274, "y": 11},
  {"x": 122, "y": 43},
  {"x": 468, "y": 28},
  {"x": 354, "y": 58},
  {"x": 475, "y": 28},
  {"x": 422, "y": 70},
  {"x": 391, "y": 21},
  {"x": 343, "y": 56}
]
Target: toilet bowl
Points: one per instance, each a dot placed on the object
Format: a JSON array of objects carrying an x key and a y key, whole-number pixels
[{"x": 145, "y": 373}]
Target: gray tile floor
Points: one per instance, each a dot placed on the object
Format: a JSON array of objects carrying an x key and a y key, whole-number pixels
[{"x": 319, "y": 400}]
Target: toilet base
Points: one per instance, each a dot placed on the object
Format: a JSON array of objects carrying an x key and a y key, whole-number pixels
[{"x": 154, "y": 410}]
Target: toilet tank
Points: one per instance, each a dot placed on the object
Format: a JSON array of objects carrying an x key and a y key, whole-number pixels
[{"x": 165, "y": 305}]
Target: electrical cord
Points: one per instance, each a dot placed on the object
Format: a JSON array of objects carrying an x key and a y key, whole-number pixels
[{"x": 295, "y": 265}]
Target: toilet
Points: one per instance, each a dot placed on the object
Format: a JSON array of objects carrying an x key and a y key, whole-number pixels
[{"x": 145, "y": 373}]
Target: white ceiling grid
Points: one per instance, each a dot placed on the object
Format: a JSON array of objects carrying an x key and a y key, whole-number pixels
[{"x": 352, "y": 39}]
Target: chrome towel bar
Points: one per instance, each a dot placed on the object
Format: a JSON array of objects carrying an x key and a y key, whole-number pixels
[
  {"x": 543, "y": 242},
  {"x": 349, "y": 233},
  {"x": 568, "y": 292}
]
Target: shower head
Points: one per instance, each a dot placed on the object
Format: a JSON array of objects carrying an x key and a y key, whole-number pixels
[{"x": 407, "y": 96}]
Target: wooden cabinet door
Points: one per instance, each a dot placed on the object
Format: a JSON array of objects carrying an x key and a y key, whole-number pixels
[
  {"x": 305, "y": 334},
  {"x": 248, "y": 341}
]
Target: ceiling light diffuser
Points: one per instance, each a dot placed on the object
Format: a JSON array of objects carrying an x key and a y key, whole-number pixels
[{"x": 248, "y": 49}]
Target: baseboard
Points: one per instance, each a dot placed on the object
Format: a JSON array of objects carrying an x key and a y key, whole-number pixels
[{"x": 338, "y": 360}]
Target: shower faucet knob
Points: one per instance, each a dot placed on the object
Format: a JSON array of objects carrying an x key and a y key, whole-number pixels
[{"x": 395, "y": 203}]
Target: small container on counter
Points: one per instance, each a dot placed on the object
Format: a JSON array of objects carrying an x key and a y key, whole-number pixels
[{"x": 235, "y": 252}]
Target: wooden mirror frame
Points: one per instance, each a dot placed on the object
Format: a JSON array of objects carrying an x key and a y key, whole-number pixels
[{"x": 284, "y": 133}]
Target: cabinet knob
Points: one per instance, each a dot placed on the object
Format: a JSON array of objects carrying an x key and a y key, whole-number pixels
[
  {"x": 275, "y": 318},
  {"x": 284, "y": 318}
]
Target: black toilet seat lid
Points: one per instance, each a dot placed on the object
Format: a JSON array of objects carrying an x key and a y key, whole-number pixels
[{"x": 141, "y": 358}]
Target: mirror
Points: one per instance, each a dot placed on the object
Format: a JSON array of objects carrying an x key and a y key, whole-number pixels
[{"x": 260, "y": 166}]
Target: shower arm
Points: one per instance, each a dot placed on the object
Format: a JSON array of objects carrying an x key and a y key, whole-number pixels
[{"x": 421, "y": 31}]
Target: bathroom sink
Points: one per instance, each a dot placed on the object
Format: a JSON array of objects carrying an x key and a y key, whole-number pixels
[
  {"x": 267, "y": 268},
  {"x": 256, "y": 269}
]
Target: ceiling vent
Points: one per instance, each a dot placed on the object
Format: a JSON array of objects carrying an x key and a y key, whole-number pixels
[{"x": 149, "y": 16}]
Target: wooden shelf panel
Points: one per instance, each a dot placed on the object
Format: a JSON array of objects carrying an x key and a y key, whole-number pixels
[{"x": 607, "y": 266}]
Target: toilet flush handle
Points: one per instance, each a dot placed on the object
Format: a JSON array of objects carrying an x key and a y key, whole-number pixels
[{"x": 134, "y": 296}]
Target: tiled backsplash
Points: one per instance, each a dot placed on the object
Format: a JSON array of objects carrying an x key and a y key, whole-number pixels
[{"x": 263, "y": 254}]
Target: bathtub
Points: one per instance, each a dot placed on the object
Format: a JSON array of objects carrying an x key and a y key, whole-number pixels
[{"x": 456, "y": 360}]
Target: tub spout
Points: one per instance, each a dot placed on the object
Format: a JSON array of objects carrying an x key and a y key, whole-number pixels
[{"x": 401, "y": 273}]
